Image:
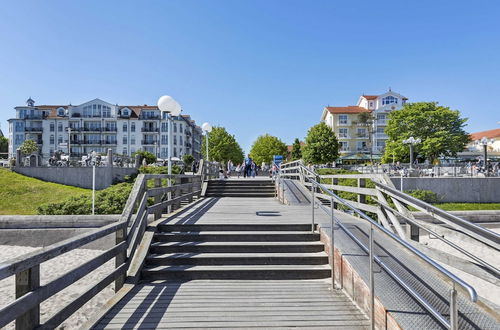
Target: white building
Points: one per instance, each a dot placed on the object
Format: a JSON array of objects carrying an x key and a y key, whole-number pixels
[
  {"x": 98, "y": 125},
  {"x": 354, "y": 137}
]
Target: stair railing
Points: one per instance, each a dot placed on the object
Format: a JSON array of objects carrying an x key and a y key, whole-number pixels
[{"x": 149, "y": 195}]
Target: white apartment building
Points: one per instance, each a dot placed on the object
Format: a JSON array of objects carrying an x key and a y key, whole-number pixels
[
  {"x": 98, "y": 126},
  {"x": 353, "y": 136}
]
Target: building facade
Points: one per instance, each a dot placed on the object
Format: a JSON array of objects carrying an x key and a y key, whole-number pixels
[
  {"x": 360, "y": 128},
  {"x": 98, "y": 126},
  {"x": 493, "y": 137}
]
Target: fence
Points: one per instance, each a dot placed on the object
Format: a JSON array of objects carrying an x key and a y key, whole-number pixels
[{"x": 151, "y": 194}]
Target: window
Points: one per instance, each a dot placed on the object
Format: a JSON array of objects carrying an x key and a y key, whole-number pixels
[
  {"x": 132, "y": 127},
  {"x": 344, "y": 146},
  {"x": 361, "y": 133},
  {"x": 389, "y": 100},
  {"x": 19, "y": 126},
  {"x": 124, "y": 151},
  {"x": 180, "y": 127},
  {"x": 164, "y": 127},
  {"x": 125, "y": 128},
  {"x": 52, "y": 141},
  {"x": 132, "y": 139},
  {"x": 124, "y": 139},
  {"x": 164, "y": 139},
  {"x": 380, "y": 130},
  {"x": 132, "y": 150},
  {"x": 175, "y": 127},
  {"x": 180, "y": 140},
  {"x": 175, "y": 151},
  {"x": 60, "y": 112},
  {"x": 60, "y": 139},
  {"x": 175, "y": 139},
  {"x": 343, "y": 133},
  {"x": 164, "y": 153},
  {"x": 106, "y": 111},
  {"x": 361, "y": 146},
  {"x": 343, "y": 119},
  {"x": 59, "y": 127},
  {"x": 380, "y": 145},
  {"x": 371, "y": 104}
]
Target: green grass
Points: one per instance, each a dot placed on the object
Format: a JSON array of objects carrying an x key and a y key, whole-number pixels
[
  {"x": 468, "y": 206},
  {"x": 20, "y": 194}
]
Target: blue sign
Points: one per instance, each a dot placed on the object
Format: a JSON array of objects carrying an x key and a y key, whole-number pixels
[{"x": 277, "y": 159}]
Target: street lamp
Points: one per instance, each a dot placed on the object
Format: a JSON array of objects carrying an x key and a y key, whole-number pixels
[
  {"x": 172, "y": 108},
  {"x": 411, "y": 141},
  {"x": 485, "y": 142},
  {"x": 207, "y": 128}
]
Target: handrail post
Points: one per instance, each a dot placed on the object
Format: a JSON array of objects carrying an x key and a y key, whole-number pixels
[
  {"x": 453, "y": 309},
  {"x": 157, "y": 198},
  {"x": 26, "y": 281},
  {"x": 332, "y": 241},
  {"x": 372, "y": 282},
  {"x": 312, "y": 205},
  {"x": 120, "y": 258}
]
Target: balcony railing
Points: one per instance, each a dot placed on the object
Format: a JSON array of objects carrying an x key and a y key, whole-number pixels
[
  {"x": 149, "y": 117},
  {"x": 109, "y": 129},
  {"x": 33, "y": 129},
  {"x": 92, "y": 129},
  {"x": 37, "y": 116},
  {"x": 149, "y": 142},
  {"x": 150, "y": 129}
]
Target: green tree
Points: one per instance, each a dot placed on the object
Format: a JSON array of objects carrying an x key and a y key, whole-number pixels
[
  {"x": 150, "y": 157},
  {"x": 222, "y": 147},
  {"x": 296, "y": 150},
  {"x": 4, "y": 146},
  {"x": 265, "y": 147},
  {"x": 321, "y": 145},
  {"x": 439, "y": 128},
  {"x": 188, "y": 161},
  {"x": 28, "y": 147},
  {"x": 366, "y": 119}
]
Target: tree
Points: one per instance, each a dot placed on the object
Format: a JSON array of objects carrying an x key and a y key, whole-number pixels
[
  {"x": 321, "y": 145},
  {"x": 366, "y": 119},
  {"x": 28, "y": 147},
  {"x": 150, "y": 157},
  {"x": 222, "y": 147},
  {"x": 296, "y": 150},
  {"x": 265, "y": 147},
  {"x": 439, "y": 128},
  {"x": 4, "y": 146},
  {"x": 188, "y": 160}
]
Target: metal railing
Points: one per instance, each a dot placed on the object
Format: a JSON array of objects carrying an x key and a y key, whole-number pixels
[{"x": 296, "y": 170}]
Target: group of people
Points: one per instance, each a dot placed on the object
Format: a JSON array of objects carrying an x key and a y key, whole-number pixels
[{"x": 247, "y": 169}]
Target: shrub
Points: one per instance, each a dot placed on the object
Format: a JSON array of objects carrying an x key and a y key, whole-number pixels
[
  {"x": 188, "y": 160},
  {"x": 159, "y": 169},
  {"x": 427, "y": 196},
  {"x": 108, "y": 201},
  {"x": 150, "y": 158}
]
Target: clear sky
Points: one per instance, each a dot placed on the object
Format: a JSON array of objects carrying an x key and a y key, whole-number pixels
[{"x": 254, "y": 67}]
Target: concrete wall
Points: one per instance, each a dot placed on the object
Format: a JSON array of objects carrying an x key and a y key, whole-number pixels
[
  {"x": 460, "y": 190},
  {"x": 78, "y": 176}
]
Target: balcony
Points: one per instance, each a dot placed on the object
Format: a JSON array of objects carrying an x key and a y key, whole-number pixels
[
  {"x": 75, "y": 115},
  {"x": 76, "y": 142},
  {"x": 109, "y": 129},
  {"x": 149, "y": 117},
  {"x": 381, "y": 122},
  {"x": 33, "y": 129},
  {"x": 343, "y": 123},
  {"x": 381, "y": 136},
  {"x": 107, "y": 142},
  {"x": 150, "y": 129},
  {"x": 92, "y": 129},
  {"x": 76, "y": 129},
  {"x": 92, "y": 142},
  {"x": 34, "y": 116},
  {"x": 149, "y": 142}
]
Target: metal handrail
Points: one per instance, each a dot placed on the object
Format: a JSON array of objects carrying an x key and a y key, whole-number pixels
[{"x": 453, "y": 323}]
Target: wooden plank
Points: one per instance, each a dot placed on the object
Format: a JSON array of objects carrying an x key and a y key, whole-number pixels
[
  {"x": 153, "y": 208},
  {"x": 356, "y": 190},
  {"x": 26, "y": 261},
  {"x": 24, "y": 303},
  {"x": 347, "y": 176},
  {"x": 360, "y": 206},
  {"x": 137, "y": 189},
  {"x": 163, "y": 190}
]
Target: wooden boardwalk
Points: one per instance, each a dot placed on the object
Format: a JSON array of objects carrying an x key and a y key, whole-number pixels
[{"x": 231, "y": 303}]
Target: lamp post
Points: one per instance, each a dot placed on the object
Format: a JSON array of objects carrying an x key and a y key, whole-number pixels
[
  {"x": 485, "y": 142},
  {"x": 411, "y": 141},
  {"x": 207, "y": 128},
  {"x": 172, "y": 108}
]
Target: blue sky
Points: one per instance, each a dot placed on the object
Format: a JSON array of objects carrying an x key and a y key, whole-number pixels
[{"x": 254, "y": 67}]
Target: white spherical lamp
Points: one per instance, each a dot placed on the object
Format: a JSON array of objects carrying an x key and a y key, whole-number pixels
[
  {"x": 206, "y": 127},
  {"x": 169, "y": 104}
]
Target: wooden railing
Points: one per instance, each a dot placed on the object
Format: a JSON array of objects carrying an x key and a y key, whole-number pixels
[{"x": 151, "y": 194}]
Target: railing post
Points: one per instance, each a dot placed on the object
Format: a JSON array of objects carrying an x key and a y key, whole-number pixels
[
  {"x": 453, "y": 309},
  {"x": 120, "y": 258},
  {"x": 335, "y": 181},
  {"x": 26, "y": 281},
  {"x": 312, "y": 205},
  {"x": 332, "y": 241},
  {"x": 157, "y": 199},
  {"x": 190, "y": 189},
  {"x": 361, "y": 197},
  {"x": 372, "y": 282}
]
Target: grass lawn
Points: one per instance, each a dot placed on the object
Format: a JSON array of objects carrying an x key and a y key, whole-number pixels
[
  {"x": 20, "y": 194},
  {"x": 468, "y": 206}
]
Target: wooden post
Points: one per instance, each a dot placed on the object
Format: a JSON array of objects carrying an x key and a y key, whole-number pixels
[
  {"x": 157, "y": 199},
  {"x": 120, "y": 258},
  {"x": 26, "y": 281},
  {"x": 335, "y": 181},
  {"x": 190, "y": 189}
]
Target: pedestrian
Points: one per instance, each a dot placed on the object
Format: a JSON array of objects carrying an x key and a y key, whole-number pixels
[
  {"x": 247, "y": 166},
  {"x": 253, "y": 169},
  {"x": 229, "y": 168},
  {"x": 238, "y": 170}
]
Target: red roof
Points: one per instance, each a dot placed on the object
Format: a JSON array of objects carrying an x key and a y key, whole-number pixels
[
  {"x": 370, "y": 97},
  {"x": 349, "y": 109},
  {"x": 492, "y": 133},
  {"x": 290, "y": 147}
]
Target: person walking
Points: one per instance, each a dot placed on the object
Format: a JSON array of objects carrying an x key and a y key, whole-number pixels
[
  {"x": 229, "y": 168},
  {"x": 248, "y": 166},
  {"x": 238, "y": 170},
  {"x": 253, "y": 169}
]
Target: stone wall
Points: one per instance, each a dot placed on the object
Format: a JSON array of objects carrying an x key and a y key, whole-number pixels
[
  {"x": 458, "y": 190},
  {"x": 78, "y": 176}
]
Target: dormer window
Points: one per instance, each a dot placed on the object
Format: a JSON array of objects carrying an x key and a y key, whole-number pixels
[
  {"x": 60, "y": 112},
  {"x": 389, "y": 100}
]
